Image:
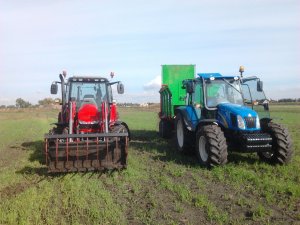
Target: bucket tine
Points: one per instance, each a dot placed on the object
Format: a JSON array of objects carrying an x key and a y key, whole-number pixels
[
  {"x": 87, "y": 149},
  {"x": 56, "y": 150},
  {"x": 67, "y": 150},
  {"x": 46, "y": 149}
]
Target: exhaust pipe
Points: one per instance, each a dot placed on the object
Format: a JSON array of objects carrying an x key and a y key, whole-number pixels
[{"x": 63, "y": 90}]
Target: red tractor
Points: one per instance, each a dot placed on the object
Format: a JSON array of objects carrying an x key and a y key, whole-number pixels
[{"x": 88, "y": 134}]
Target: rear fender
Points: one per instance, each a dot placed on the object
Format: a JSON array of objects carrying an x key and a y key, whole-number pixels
[
  {"x": 207, "y": 122},
  {"x": 190, "y": 116}
]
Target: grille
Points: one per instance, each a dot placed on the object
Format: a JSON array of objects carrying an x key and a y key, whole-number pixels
[
  {"x": 88, "y": 126},
  {"x": 250, "y": 122}
]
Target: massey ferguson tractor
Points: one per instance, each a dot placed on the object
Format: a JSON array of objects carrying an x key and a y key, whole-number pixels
[
  {"x": 88, "y": 134},
  {"x": 214, "y": 114}
]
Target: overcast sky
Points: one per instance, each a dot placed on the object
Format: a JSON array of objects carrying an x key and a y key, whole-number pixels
[{"x": 39, "y": 39}]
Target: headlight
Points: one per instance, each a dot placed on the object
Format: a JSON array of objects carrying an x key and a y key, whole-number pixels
[
  {"x": 88, "y": 123},
  {"x": 241, "y": 122},
  {"x": 257, "y": 122}
]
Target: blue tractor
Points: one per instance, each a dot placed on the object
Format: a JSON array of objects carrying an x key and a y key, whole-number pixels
[{"x": 224, "y": 113}]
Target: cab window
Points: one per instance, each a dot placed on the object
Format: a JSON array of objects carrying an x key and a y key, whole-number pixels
[{"x": 198, "y": 94}]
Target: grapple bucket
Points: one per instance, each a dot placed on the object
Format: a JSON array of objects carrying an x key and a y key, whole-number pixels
[{"x": 85, "y": 152}]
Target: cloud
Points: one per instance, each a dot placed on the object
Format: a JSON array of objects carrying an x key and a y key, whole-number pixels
[
  {"x": 7, "y": 101},
  {"x": 283, "y": 91},
  {"x": 153, "y": 84},
  {"x": 141, "y": 97}
]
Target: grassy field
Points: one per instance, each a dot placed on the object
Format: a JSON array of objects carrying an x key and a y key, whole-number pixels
[{"x": 160, "y": 186}]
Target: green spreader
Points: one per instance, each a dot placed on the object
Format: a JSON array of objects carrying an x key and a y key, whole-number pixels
[{"x": 171, "y": 92}]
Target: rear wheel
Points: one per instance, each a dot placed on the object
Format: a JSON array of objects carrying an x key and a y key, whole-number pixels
[
  {"x": 165, "y": 129},
  {"x": 183, "y": 136},
  {"x": 281, "y": 144},
  {"x": 211, "y": 147}
]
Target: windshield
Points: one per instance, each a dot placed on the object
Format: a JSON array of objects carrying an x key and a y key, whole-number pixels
[
  {"x": 88, "y": 91},
  {"x": 223, "y": 91}
]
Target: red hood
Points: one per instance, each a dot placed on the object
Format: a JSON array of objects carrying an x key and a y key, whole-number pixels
[{"x": 88, "y": 113}]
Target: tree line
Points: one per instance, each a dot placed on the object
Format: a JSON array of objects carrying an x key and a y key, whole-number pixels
[
  {"x": 289, "y": 100},
  {"x": 21, "y": 103}
]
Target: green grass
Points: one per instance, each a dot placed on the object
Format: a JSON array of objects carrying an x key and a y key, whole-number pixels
[{"x": 160, "y": 186}]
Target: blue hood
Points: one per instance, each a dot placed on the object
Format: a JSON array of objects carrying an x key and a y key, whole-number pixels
[
  {"x": 237, "y": 109},
  {"x": 228, "y": 112}
]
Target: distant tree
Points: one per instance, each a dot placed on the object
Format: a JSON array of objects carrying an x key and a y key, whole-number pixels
[
  {"x": 11, "y": 106},
  {"x": 287, "y": 100},
  {"x": 46, "y": 101},
  {"x": 20, "y": 103},
  {"x": 2, "y": 106}
]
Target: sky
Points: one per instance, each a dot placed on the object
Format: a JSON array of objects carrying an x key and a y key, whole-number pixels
[{"x": 40, "y": 39}]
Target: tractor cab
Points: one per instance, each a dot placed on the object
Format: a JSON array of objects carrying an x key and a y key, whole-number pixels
[
  {"x": 88, "y": 91},
  {"x": 220, "y": 98},
  {"x": 89, "y": 97},
  {"x": 220, "y": 89}
]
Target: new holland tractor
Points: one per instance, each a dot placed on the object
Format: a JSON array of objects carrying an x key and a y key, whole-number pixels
[
  {"x": 214, "y": 114},
  {"x": 88, "y": 134}
]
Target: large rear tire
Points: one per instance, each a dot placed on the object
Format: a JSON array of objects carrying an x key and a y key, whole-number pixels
[
  {"x": 281, "y": 144},
  {"x": 184, "y": 137},
  {"x": 211, "y": 147}
]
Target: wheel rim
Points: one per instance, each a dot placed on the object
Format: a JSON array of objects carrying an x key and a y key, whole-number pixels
[
  {"x": 180, "y": 135},
  {"x": 202, "y": 149}
]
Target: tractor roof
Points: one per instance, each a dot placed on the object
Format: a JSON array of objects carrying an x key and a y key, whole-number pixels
[
  {"x": 215, "y": 75},
  {"x": 87, "y": 79}
]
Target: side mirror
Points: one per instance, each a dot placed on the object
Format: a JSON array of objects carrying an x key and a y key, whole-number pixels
[
  {"x": 259, "y": 86},
  {"x": 120, "y": 88},
  {"x": 190, "y": 87},
  {"x": 266, "y": 105},
  {"x": 54, "y": 88}
]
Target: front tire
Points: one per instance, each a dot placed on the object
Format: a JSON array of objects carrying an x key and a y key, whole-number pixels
[
  {"x": 183, "y": 136},
  {"x": 281, "y": 145},
  {"x": 121, "y": 156},
  {"x": 211, "y": 147}
]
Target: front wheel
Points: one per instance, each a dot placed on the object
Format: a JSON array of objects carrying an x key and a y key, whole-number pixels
[
  {"x": 281, "y": 144},
  {"x": 183, "y": 136},
  {"x": 211, "y": 147}
]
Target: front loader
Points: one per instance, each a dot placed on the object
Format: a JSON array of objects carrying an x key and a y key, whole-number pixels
[{"x": 88, "y": 135}]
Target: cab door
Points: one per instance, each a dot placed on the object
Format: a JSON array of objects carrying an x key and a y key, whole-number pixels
[
  {"x": 197, "y": 99},
  {"x": 254, "y": 96}
]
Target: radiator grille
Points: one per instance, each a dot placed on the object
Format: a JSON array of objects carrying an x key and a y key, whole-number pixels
[{"x": 250, "y": 122}]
